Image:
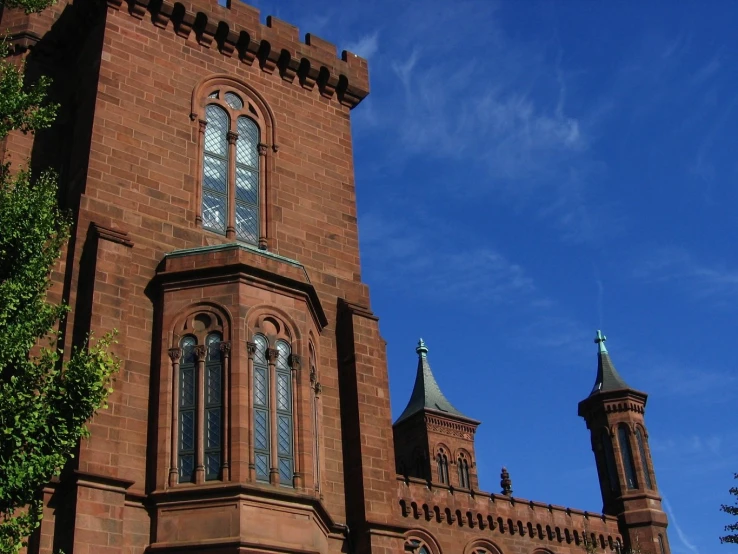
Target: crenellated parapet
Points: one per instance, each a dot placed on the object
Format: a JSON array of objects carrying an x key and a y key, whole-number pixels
[
  {"x": 235, "y": 30},
  {"x": 499, "y": 518}
]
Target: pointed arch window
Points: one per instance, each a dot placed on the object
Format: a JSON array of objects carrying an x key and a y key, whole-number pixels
[
  {"x": 442, "y": 467},
  {"x": 285, "y": 455},
  {"x": 609, "y": 455},
  {"x": 463, "y": 466},
  {"x": 626, "y": 455},
  {"x": 644, "y": 461},
  {"x": 662, "y": 550},
  {"x": 231, "y": 167},
  {"x": 187, "y": 408}
]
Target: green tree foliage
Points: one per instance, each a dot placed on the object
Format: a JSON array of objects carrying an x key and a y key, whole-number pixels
[
  {"x": 732, "y": 529},
  {"x": 44, "y": 403}
]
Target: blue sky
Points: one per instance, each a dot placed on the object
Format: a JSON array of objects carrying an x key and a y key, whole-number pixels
[{"x": 529, "y": 172}]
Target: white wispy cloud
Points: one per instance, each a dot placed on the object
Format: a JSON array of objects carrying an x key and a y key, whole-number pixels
[
  {"x": 674, "y": 523},
  {"x": 714, "y": 280},
  {"x": 366, "y": 46}
]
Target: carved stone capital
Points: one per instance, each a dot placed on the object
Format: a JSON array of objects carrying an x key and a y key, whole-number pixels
[
  {"x": 272, "y": 355},
  {"x": 251, "y": 349},
  {"x": 231, "y": 137},
  {"x": 225, "y": 349},
  {"x": 175, "y": 354},
  {"x": 201, "y": 352},
  {"x": 295, "y": 362},
  {"x": 262, "y": 149},
  {"x": 201, "y": 124}
]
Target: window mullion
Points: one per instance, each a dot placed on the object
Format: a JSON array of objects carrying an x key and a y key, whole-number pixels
[
  {"x": 272, "y": 354},
  {"x": 200, "y": 352},
  {"x": 231, "y": 184}
]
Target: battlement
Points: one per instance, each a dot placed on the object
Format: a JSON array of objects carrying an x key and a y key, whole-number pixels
[
  {"x": 235, "y": 29},
  {"x": 441, "y": 505}
]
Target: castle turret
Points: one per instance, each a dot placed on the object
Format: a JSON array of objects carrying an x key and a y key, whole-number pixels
[
  {"x": 434, "y": 440},
  {"x": 614, "y": 413}
]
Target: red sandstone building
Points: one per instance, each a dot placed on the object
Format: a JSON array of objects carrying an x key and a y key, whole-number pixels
[{"x": 207, "y": 160}]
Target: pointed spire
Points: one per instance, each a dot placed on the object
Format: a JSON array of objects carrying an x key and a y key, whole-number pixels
[
  {"x": 608, "y": 377},
  {"x": 426, "y": 393}
]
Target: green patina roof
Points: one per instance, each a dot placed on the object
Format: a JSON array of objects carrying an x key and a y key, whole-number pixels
[
  {"x": 608, "y": 377},
  {"x": 427, "y": 394}
]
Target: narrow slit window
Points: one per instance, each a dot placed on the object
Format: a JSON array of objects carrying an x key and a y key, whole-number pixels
[
  {"x": 187, "y": 398},
  {"x": 215, "y": 170},
  {"x": 610, "y": 468},
  {"x": 262, "y": 456},
  {"x": 627, "y": 457},
  {"x": 285, "y": 456},
  {"x": 644, "y": 461},
  {"x": 247, "y": 181},
  {"x": 213, "y": 407}
]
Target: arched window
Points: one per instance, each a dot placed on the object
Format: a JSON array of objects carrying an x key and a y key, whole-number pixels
[
  {"x": 262, "y": 454},
  {"x": 463, "y": 467},
  {"x": 609, "y": 456},
  {"x": 415, "y": 545},
  {"x": 187, "y": 408},
  {"x": 627, "y": 457},
  {"x": 200, "y": 415},
  {"x": 230, "y": 167},
  {"x": 662, "y": 550},
  {"x": 644, "y": 461},
  {"x": 442, "y": 466},
  {"x": 273, "y": 446},
  {"x": 213, "y": 406},
  {"x": 285, "y": 453}
]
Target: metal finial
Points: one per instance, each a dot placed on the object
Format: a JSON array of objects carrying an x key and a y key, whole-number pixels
[
  {"x": 600, "y": 341},
  {"x": 421, "y": 349}
]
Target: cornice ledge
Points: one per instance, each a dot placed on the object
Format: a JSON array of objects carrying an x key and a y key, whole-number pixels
[
  {"x": 276, "y": 45},
  {"x": 355, "y": 308},
  {"x": 193, "y": 265}
]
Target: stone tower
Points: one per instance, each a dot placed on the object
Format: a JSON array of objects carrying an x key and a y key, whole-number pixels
[
  {"x": 614, "y": 413},
  {"x": 433, "y": 440}
]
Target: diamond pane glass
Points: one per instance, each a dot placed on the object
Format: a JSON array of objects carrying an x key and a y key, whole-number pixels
[
  {"x": 213, "y": 212},
  {"x": 213, "y": 343},
  {"x": 260, "y": 386},
  {"x": 213, "y": 428},
  {"x": 233, "y": 100},
  {"x": 186, "y": 387},
  {"x": 214, "y": 174},
  {"x": 284, "y": 435},
  {"x": 261, "y": 440},
  {"x": 215, "y": 130},
  {"x": 247, "y": 185},
  {"x": 213, "y": 385},
  {"x": 186, "y": 431},
  {"x": 186, "y": 467},
  {"x": 285, "y": 471},
  {"x": 283, "y": 391},
  {"x": 247, "y": 146},
  {"x": 283, "y": 355},
  {"x": 261, "y": 346},
  {"x": 246, "y": 226},
  {"x": 212, "y": 465},
  {"x": 187, "y": 344},
  {"x": 262, "y": 467}
]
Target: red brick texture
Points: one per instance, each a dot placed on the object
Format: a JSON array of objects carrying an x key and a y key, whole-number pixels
[{"x": 130, "y": 78}]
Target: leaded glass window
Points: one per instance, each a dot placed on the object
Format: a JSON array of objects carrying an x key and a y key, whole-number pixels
[
  {"x": 644, "y": 461},
  {"x": 416, "y": 546},
  {"x": 231, "y": 173},
  {"x": 213, "y": 407},
  {"x": 609, "y": 455},
  {"x": 626, "y": 455},
  {"x": 662, "y": 550},
  {"x": 284, "y": 414},
  {"x": 187, "y": 398},
  {"x": 442, "y": 466},
  {"x": 262, "y": 454},
  {"x": 463, "y": 473},
  {"x": 215, "y": 169}
]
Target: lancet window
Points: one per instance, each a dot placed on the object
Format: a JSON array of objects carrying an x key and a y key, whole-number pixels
[{"x": 626, "y": 455}]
